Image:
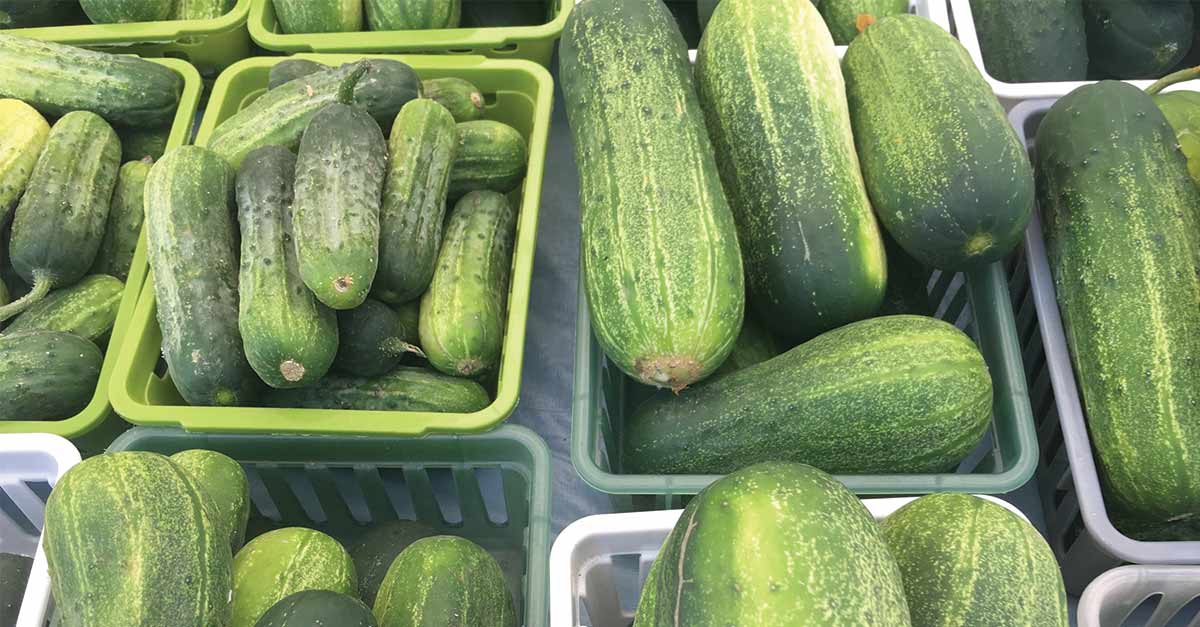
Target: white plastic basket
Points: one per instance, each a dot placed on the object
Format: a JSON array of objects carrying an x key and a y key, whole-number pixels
[
  {"x": 598, "y": 564},
  {"x": 1155, "y": 596},
  {"x": 30, "y": 465}
]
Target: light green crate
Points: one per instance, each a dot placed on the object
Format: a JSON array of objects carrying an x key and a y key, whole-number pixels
[
  {"x": 210, "y": 45},
  {"x": 90, "y": 421},
  {"x": 532, "y": 43},
  {"x": 518, "y": 93}
]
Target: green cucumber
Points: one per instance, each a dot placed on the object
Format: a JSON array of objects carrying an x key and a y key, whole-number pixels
[
  {"x": 460, "y": 97},
  {"x": 290, "y": 338},
  {"x": 46, "y": 375},
  {"x": 948, "y": 544},
  {"x": 490, "y": 156},
  {"x": 59, "y": 224},
  {"x": 14, "y": 576},
  {"x": 403, "y": 389},
  {"x": 413, "y": 14},
  {"x": 130, "y": 540},
  {"x": 421, "y": 150},
  {"x": 375, "y": 550},
  {"x": 812, "y": 249},
  {"x": 445, "y": 581},
  {"x": 224, "y": 481},
  {"x": 1039, "y": 40},
  {"x": 463, "y": 311},
  {"x": 191, "y": 247},
  {"x": 774, "y": 544},
  {"x": 87, "y": 309},
  {"x": 1182, "y": 109},
  {"x": 143, "y": 144},
  {"x": 1137, "y": 38},
  {"x": 754, "y": 345},
  {"x": 339, "y": 188},
  {"x": 279, "y": 563},
  {"x": 372, "y": 340},
  {"x": 665, "y": 287},
  {"x": 843, "y": 16},
  {"x": 23, "y": 133},
  {"x": 125, "y": 217},
  {"x": 319, "y": 16},
  {"x": 35, "y": 14},
  {"x": 899, "y": 394},
  {"x": 383, "y": 91},
  {"x": 201, "y": 9},
  {"x": 945, "y": 171},
  {"x": 316, "y": 608},
  {"x": 57, "y": 79},
  {"x": 291, "y": 69},
  {"x": 1123, "y": 244},
  {"x": 124, "y": 11}
]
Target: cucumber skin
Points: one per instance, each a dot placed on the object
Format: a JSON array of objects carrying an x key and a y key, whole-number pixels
[
  {"x": 290, "y": 338},
  {"x": 1044, "y": 40},
  {"x": 126, "y": 215},
  {"x": 420, "y": 152},
  {"x": 385, "y": 88},
  {"x": 126, "y": 11},
  {"x": 461, "y": 98},
  {"x": 371, "y": 338},
  {"x": 340, "y": 172},
  {"x": 463, "y": 311},
  {"x": 46, "y": 375},
  {"x": 440, "y": 578},
  {"x": 1137, "y": 38},
  {"x": 945, "y": 170},
  {"x": 224, "y": 481},
  {"x": 191, "y": 239},
  {"x": 413, "y": 14},
  {"x": 376, "y": 548},
  {"x": 309, "y": 608},
  {"x": 290, "y": 69},
  {"x": 402, "y": 389},
  {"x": 842, "y": 16},
  {"x": 22, "y": 137},
  {"x": 490, "y": 156},
  {"x": 87, "y": 309},
  {"x": 319, "y": 16}
]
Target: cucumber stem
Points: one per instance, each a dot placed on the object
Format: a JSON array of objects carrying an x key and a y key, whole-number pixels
[
  {"x": 41, "y": 286},
  {"x": 1181, "y": 76},
  {"x": 396, "y": 346},
  {"x": 345, "y": 93}
]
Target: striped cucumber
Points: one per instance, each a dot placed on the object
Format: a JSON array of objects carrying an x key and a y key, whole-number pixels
[
  {"x": 463, "y": 311},
  {"x": 844, "y": 16},
  {"x": 661, "y": 263},
  {"x": 490, "y": 156},
  {"x": 191, "y": 238},
  {"x": 126, "y": 214},
  {"x": 440, "y": 579},
  {"x": 124, "y": 11},
  {"x": 279, "y": 563},
  {"x": 372, "y": 339},
  {"x": 413, "y": 14},
  {"x": 59, "y": 224},
  {"x": 403, "y": 389},
  {"x": 224, "y": 481},
  {"x": 201, "y": 9},
  {"x": 290, "y": 338},
  {"x": 813, "y": 251},
  {"x": 46, "y": 375},
  {"x": 87, "y": 309},
  {"x": 23, "y": 133},
  {"x": 374, "y": 550},
  {"x": 319, "y": 16},
  {"x": 421, "y": 150},
  {"x": 460, "y": 97}
]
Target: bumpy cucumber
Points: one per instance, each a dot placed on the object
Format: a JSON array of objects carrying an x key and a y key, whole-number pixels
[
  {"x": 46, "y": 375},
  {"x": 87, "y": 309},
  {"x": 460, "y": 97},
  {"x": 491, "y": 156},
  {"x": 372, "y": 339},
  {"x": 143, "y": 143},
  {"x": 1037, "y": 40},
  {"x": 126, "y": 214},
  {"x": 403, "y": 389},
  {"x": 289, "y": 70},
  {"x": 23, "y": 133},
  {"x": 385, "y": 88}
]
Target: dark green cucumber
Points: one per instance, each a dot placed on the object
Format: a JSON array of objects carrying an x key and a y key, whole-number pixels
[
  {"x": 843, "y": 16},
  {"x": 1123, "y": 243},
  {"x": 59, "y": 224},
  {"x": 126, "y": 214},
  {"x": 755, "y": 344},
  {"x": 38, "y": 13},
  {"x": 908, "y": 283},
  {"x": 463, "y": 311},
  {"x": 23, "y": 133},
  {"x": 58, "y": 79},
  {"x": 421, "y": 150},
  {"x": 315, "y": 608},
  {"x": 945, "y": 170},
  {"x": 279, "y": 117},
  {"x": 1137, "y": 38},
  {"x": 460, "y": 97},
  {"x": 900, "y": 394},
  {"x": 46, "y": 375},
  {"x": 339, "y": 187},
  {"x": 124, "y": 11},
  {"x": 660, "y": 261},
  {"x": 1038, "y": 40},
  {"x": 403, "y": 389},
  {"x": 201, "y": 9},
  {"x": 290, "y": 338},
  {"x": 374, "y": 551},
  {"x": 490, "y": 156},
  {"x": 812, "y": 249},
  {"x": 290, "y": 69},
  {"x": 14, "y": 576},
  {"x": 372, "y": 340},
  {"x": 445, "y": 581},
  {"x": 191, "y": 239},
  {"x": 383, "y": 91},
  {"x": 138, "y": 144},
  {"x": 413, "y": 14},
  {"x": 319, "y": 16},
  {"x": 87, "y": 309}
]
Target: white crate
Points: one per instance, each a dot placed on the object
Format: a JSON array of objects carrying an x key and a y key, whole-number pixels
[
  {"x": 1168, "y": 594},
  {"x": 584, "y": 576}
]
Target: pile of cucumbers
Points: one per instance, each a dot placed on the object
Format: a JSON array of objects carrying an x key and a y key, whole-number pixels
[
  {"x": 343, "y": 16},
  {"x": 36, "y": 13},
  {"x": 320, "y": 272}
]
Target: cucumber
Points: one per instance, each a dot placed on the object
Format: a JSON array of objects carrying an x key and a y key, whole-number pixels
[
  {"x": 291, "y": 69},
  {"x": 899, "y": 394},
  {"x": 35, "y": 14},
  {"x": 201, "y": 9},
  {"x": 445, "y": 580},
  {"x": 1125, "y": 254},
  {"x": 1182, "y": 109},
  {"x": 463, "y": 311},
  {"x": 59, "y": 224},
  {"x": 403, "y": 389},
  {"x": 490, "y": 156},
  {"x": 279, "y": 117},
  {"x": 87, "y": 309},
  {"x": 125, "y": 217},
  {"x": 385, "y": 88},
  {"x": 319, "y": 16},
  {"x": 372, "y": 340},
  {"x": 843, "y": 16},
  {"x": 413, "y": 14},
  {"x": 664, "y": 287},
  {"x": 46, "y": 375},
  {"x": 812, "y": 249},
  {"x": 1041, "y": 40},
  {"x": 339, "y": 187},
  {"x": 460, "y": 97},
  {"x": 15, "y": 284},
  {"x": 1137, "y": 38},
  {"x": 312, "y": 608},
  {"x": 754, "y": 345},
  {"x": 290, "y": 338},
  {"x": 58, "y": 79},
  {"x": 124, "y": 11},
  {"x": 945, "y": 170},
  {"x": 279, "y": 563},
  {"x": 224, "y": 482},
  {"x": 141, "y": 144},
  {"x": 421, "y": 150},
  {"x": 191, "y": 247},
  {"x": 375, "y": 550},
  {"x": 23, "y": 133},
  {"x": 14, "y": 576}
]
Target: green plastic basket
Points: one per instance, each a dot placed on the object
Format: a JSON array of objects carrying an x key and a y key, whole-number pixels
[
  {"x": 977, "y": 302},
  {"x": 95, "y": 415},
  {"x": 210, "y": 45},
  {"x": 532, "y": 43},
  {"x": 493, "y": 489},
  {"x": 518, "y": 93}
]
